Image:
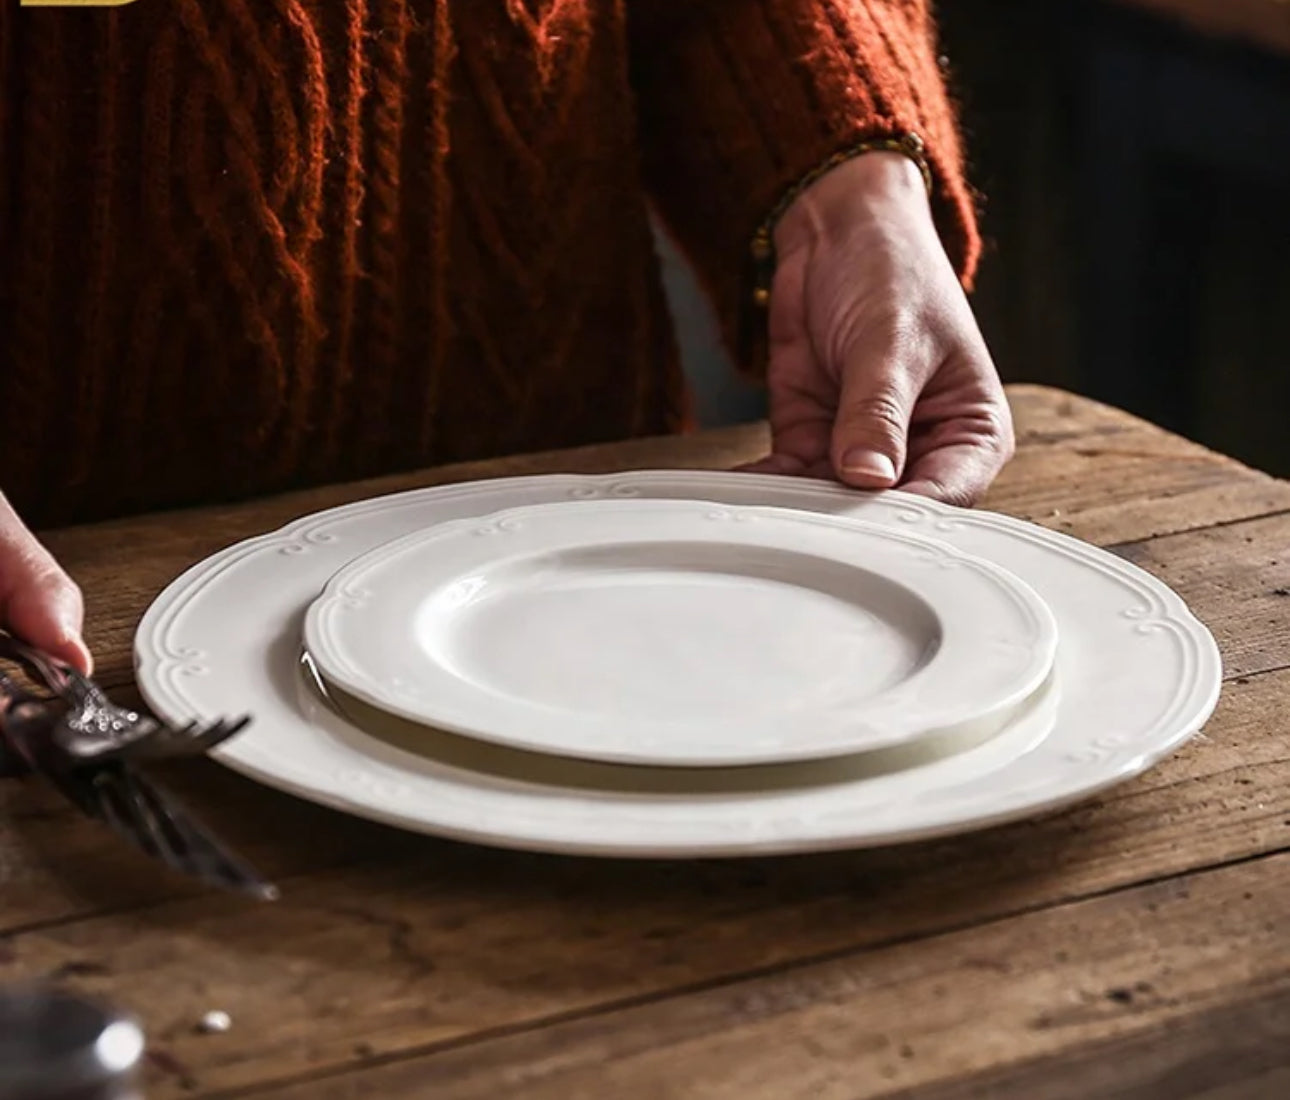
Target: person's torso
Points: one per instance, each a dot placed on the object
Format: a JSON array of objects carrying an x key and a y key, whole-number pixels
[{"x": 249, "y": 244}]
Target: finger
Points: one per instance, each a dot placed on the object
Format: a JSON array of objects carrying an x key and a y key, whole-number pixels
[
  {"x": 801, "y": 395},
  {"x": 38, "y": 601},
  {"x": 785, "y": 465},
  {"x": 876, "y": 402},
  {"x": 801, "y": 406},
  {"x": 47, "y": 613},
  {"x": 956, "y": 473},
  {"x": 962, "y": 438}
]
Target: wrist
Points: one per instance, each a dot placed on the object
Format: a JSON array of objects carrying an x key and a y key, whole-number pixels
[{"x": 877, "y": 185}]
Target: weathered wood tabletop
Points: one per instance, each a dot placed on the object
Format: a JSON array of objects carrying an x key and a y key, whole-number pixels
[{"x": 1137, "y": 946}]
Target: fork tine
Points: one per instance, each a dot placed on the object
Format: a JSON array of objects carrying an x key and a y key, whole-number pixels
[
  {"x": 223, "y": 731},
  {"x": 167, "y": 739},
  {"x": 209, "y": 737},
  {"x": 190, "y": 740},
  {"x": 239, "y": 724},
  {"x": 166, "y": 734},
  {"x": 165, "y": 744}
]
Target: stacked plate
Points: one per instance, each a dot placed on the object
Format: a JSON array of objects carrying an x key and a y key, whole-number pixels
[{"x": 679, "y": 664}]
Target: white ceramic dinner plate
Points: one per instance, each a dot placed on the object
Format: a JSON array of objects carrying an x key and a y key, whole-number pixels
[
  {"x": 681, "y": 633},
  {"x": 1136, "y": 674}
]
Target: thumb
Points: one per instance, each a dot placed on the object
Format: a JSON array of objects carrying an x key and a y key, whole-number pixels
[
  {"x": 38, "y": 601},
  {"x": 871, "y": 431},
  {"x": 47, "y": 613}
]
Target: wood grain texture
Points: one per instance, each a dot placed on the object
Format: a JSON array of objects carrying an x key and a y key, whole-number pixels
[
  {"x": 1237, "y": 578},
  {"x": 428, "y": 942},
  {"x": 1106, "y": 477},
  {"x": 1060, "y": 986},
  {"x": 399, "y": 965},
  {"x": 1234, "y": 1050}
]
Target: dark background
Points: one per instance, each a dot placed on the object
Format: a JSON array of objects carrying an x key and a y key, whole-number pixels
[{"x": 1136, "y": 167}]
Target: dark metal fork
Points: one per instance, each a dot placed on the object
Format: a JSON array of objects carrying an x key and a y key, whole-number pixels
[
  {"x": 93, "y": 728},
  {"x": 115, "y": 794}
]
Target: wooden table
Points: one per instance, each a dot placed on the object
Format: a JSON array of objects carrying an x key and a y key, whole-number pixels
[{"x": 1137, "y": 946}]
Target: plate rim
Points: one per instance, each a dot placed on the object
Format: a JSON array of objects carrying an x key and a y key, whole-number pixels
[{"x": 1111, "y": 763}]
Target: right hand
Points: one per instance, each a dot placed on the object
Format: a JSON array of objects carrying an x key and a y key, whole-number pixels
[{"x": 39, "y": 603}]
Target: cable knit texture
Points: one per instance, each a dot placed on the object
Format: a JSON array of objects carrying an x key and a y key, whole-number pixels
[{"x": 248, "y": 245}]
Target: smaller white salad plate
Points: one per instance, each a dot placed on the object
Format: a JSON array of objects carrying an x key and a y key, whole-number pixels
[{"x": 682, "y": 633}]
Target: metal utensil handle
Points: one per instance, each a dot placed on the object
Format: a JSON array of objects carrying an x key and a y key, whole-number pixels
[{"x": 53, "y": 675}]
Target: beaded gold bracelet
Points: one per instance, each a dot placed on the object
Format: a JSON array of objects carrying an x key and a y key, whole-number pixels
[{"x": 763, "y": 242}]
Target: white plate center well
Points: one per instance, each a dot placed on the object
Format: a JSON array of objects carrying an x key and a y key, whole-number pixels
[{"x": 675, "y": 632}]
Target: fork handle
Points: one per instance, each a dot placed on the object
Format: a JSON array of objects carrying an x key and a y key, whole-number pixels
[
  {"x": 53, "y": 675},
  {"x": 11, "y": 764},
  {"x": 12, "y": 761}
]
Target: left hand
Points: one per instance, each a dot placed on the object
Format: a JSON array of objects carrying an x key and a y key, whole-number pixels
[{"x": 878, "y": 373}]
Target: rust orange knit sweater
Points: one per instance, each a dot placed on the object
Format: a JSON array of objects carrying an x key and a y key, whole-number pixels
[{"x": 247, "y": 245}]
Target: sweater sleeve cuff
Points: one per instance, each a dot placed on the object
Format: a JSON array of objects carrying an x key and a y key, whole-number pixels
[{"x": 738, "y": 101}]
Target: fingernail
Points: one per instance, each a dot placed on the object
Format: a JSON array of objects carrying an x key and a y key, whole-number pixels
[
  {"x": 74, "y": 643},
  {"x": 69, "y": 629},
  {"x": 87, "y": 658},
  {"x": 869, "y": 464}
]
